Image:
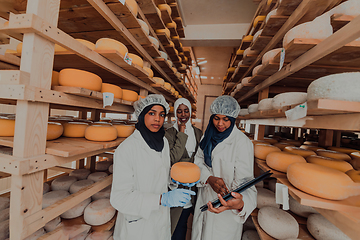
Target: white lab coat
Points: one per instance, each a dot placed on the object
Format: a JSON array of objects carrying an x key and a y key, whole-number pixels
[
  {"x": 140, "y": 176},
  {"x": 233, "y": 161}
]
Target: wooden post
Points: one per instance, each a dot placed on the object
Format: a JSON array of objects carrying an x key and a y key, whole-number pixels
[
  {"x": 261, "y": 128},
  {"x": 90, "y": 163},
  {"x": 326, "y": 137},
  {"x": 296, "y": 133},
  {"x": 144, "y": 92},
  {"x": 337, "y": 139}
]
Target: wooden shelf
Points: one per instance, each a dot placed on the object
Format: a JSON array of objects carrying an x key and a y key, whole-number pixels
[
  {"x": 9, "y": 61},
  {"x": 164, "y": 65},
  {"x": 273, "y": 25},
  {"x": 338, "y": 21},
  {"x": 152, "y": 50},
  {"x": 165, "y": 16},
  {"x": 165, "y": 40}
]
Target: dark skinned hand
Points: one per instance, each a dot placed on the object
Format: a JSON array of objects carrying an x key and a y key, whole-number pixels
[
  {"x": 235, "y": 203},
  {"x": 182, "y": 126},
  {"x": 218, "y": 185}
]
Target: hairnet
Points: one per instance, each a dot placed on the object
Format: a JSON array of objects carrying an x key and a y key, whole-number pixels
[
  {"x": 151, "y": 99},
  {"x": 225, "y": 105}
]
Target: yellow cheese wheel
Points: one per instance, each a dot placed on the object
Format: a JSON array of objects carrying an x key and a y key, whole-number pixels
[
  {"x": 111, "y": 88},
  {"x": 59, "y": 49},
  {"x": 124, "y": 131},
  {"x": 167, "y": 86},
  {"x": 133, "y": 6},
  {"x": 74, "y": 129},
  {"x": 269, "y": 2},
  {"x": 144, "y": 26},
  {"x": 165, "y": 7},
  {"x": 280, "y": 161},
  {"x": 171, "y": 25},
  {"x": 310, "y": 147},
  {"x": 79, "y": 78},
  {"x": 149, "y": 71},
  {"x": 154, "y": 41},
  {"x": 165, "y": 30},
  {"x": 322, "y": 181},
  {"x": 176, "y": 93},
  {"x": 7, "y": 127},
  {"x": 169, "y": 62},
  {"x": 248, "y": 38},
  {"x": 102, "y": 123},
  {"x": 333, "y": 154},
  {"x": 355, "y": 160},
  {"x": 159, "y": 81},
  {"x": 176, "y": 51},
  {"x": 340, "y": 165},
  {"x": 55, "y": 78},
  {"x": 111, "y": 44},
  {"x": 258, "y": 19},
  {"x": 270, "y": 140},
  {"x": 262, "y": 150},
  {"x": 136, "y": 59},
  {"x": 282, "y": 145},
  {"x": 185, "y": 172},
  {"x": 179, "y": 96},
  {"x": 87, "y": 43},
  {"x": 299, "y": 151},
  {"x": 259, "y": 142},
  {"x": 172, "y": 90},
  {"x": 54, "y": 130},
  {"x": 354, "y": 175},
  {"x": 101, "y": 133},
  {"x": 19, "y": 48},
  {"x": 231, "y": 70},
  {"x": 239, "y": 52},
  {"x": 129, "y": 95},
  {"x": 174, "y": 69},
  {"x": 343, "y": 150}
]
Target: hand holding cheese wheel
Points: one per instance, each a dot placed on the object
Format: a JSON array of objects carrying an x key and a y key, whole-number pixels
[
  {"x": 185, "y": 172},
  {"x": 54, "y": 130},
  {"x": 7, "y": 127},
  {"x": 116, "y": 90},
  {"x": 333, "y": 154},
  {"x": 79, "y": 78},
  {"x": 337, "y": 164},
  {"x": 101, "y": 133},
  {"x": 75, "y": 129},
  {"x": 111, "y": 44},
  {"x": 280, "y": 161},
  {"x": 262, "y": 150},
  {"x": 129, "y": 95}
]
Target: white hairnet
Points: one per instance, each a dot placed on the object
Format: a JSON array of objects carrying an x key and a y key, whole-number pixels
[
  {"x": 225, "y": 105},
  {"x": 142, "y": 103}
]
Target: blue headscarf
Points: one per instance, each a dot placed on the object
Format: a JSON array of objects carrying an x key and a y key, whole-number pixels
[{"x": 213, "y": 137}]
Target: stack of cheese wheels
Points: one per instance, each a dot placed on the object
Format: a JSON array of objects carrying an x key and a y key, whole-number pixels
[
  {"x": 88, "y": 44},
  {"x": 343, "y": 150},
  {"x": 75, "y": 129},
  {"x": 166, "y": 31},
  {"x": 311, "y": 148},
  {"x": 133, "y": 6},
  {"x": 282, "y": 145},
  {"x": 287, "y": 99},
  {"x": 62, "y": 183},
  {"x": 299, "y": 151},
  {"x": 149, "y": 71},
  {"x": 321, "y": 228},
  {"x": 101, "y": 133},
  {"x": 243, "y": 112},
  {"x": 136, "y": 60},
  {"x": 354, "y": 175},
  {"x": 55, "y": 78},
  {"x": 337, "y": 164},
  {"x": 105, "y": 193},
  {"x": 7, "y": 127},
  {"x": 105, "y": 44},
  {"x": 103, "y": 165},
  {"x": 154, "y": 41},
  {"x": 167, "y": 85},
  {"x": 185, "y": 172},
  {"x": 52, "y": 197},
  {"x": 320, "y": 28},
  {"x": 111, "y": 88},
  {"x": 265, "y": 104},
  {"x": 99, "y": 212},
  {"x": 97, "y": 176},
  {"x": 252, "y": 108},
  {"x": 340, "y": 86},
  {"x": 79, "y": 78},
  {"x": 159, "y": 81},
  {"x": 144, "y": 26},
  {"x": 299, "y": 209},
  {"x": 80, "y": 174},
  {"x": 322, "y": 181},
  {"x": 258, "y": 20},
  {"x": 333, "y": 154},
  {"x": 280, "y": 161},
  {"x": 77, "y": 210},
  {"x": 129, "y": 95},
  {"x": 77, "y": 186},
  {"x": 270, "y": 55},
  {"x": 262, "y": 150},
  {"x": 256, "y": 69},
  {"x": 278, "y": 223},
  {"x": 266, "y": 198},
  {"x": 355, "y": 160}
]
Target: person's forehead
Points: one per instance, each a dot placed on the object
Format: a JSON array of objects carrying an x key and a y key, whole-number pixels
[{"x": 157, "y": 108}]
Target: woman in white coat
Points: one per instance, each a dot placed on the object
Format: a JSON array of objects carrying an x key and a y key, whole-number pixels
[
  {"x": 141, "y": 177},
  {"x": 226, "y": 159}
]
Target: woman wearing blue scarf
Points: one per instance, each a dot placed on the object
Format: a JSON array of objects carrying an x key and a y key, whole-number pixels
[{"x": 226, "y": 159}]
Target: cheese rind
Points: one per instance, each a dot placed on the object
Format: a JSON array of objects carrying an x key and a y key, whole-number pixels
[
  {"x": 185, "y": 172},
  {"x": 288, "y": 98},
  {"x": 99, "y": 212},
  {"x": 333, "y": 154},
  {"x": 144, "y": 26},
  {"x": 280, "y": 161},
  {"x": 79, "y": 78},
  {"x": 97, "y": 176},
  {"x": 270, "y": 55},
  {"x": 321, "y": 228},
  {"x": 77, "y": 186},
  {"x": 54, "y": 130},
  {"x": 299, "y": 151},
  {"x": 136, "y": 59},
  {"x": 101, "y": 133},
  {"x": 340, "y": 165},
  {"x": 154, "y": 41},
  {"x": 253, "y": 108},
  {"x": 265, "y": 104},
  {"x": 75, "y": 129},
  {"x": 88, "y": 44},
  {"x": 129, "y": 95},
  {"x": 52, "y": 197},
  {"x": 116, "y": 90},
  {"x": 262, "y": 150},
  {"x": 111, "y": 44}
]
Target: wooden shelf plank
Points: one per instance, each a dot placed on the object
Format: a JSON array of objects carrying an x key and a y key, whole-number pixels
[
  {"x": 173, "y": 32},
  {"x": 165, "y": 16},
  {"x": 9, "y": 61},
  {"x": 181, "y": 32},
  {"x": 249, "y": 59},
  {"x": 339, "y": 20},
  {"x": 155, "y": 20},
  {"x": 273, "y": 25},
  {"x": 163, "y": 39},
  {"x": 152, "y": 50}
]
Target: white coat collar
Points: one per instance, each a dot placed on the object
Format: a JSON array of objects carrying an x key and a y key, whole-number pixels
[
  {"x": 137, "y": 136},
  {"x": 228, "y": 140}
]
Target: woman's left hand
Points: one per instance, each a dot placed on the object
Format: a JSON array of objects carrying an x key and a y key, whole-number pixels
[{"x": 234, "y": 203}]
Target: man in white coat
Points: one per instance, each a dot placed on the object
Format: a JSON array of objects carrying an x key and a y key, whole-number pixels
[{"x": 226, "y": 159}]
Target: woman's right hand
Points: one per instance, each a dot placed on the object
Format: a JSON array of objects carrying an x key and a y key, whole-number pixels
[
  {"x": 218, "y": 185},
  {"x": 182, "y": 126}
]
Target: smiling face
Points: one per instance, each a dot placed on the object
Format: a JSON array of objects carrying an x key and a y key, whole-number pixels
[
  {"x": 154, "y": 119},
  {"x": 183, "y": 113},
  {"x": 221, "y": 122}
]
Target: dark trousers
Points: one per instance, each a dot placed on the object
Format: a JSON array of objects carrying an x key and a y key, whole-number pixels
[{"x": 181, "y": 227}]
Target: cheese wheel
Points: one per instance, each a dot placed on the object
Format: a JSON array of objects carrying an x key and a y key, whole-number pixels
[
  {"x": 75, "y": 129},
  {"x": 231, "y": 70},
  {"x": 299, "y": 151},
  {"x": 19, "y": 48},
  {"x": 149, "y": 71},
  {"x": 247, "y": 38},
  {"x": 265, "y": 104},
  {"x": 354, "y": 175},
  {"x": 77, "y": 210},
  {"x": 256, "y": 69},
  {"x": 36, "y": 234},
  {"x": 185, "y": 172},
  {"x": 124, "y": 131},
  {"x": 278, "y": 223},
  {"x": 54, "y": 130},
  {"x": 59, "y": 49},
  {"x": 159, "y": 81},
  {"x": 144, "y": 26},
  {"x": 178, "y": 75},
  {"x": 77, "y": 186},
  {"x": 343, "y": 150},
  {"x": 253, "y": 108},
  {"x": 250, "y": 235},
  {"x": 111, "y": 44},
  {"x": 355, "y": 160},
  {"x": 154, "y": 41},
  {"x": 340, "y": 86},
  {"x": 260, "y": 142},
  {"x": 239, "y": 52},
  {"x": 266, "y": 198},
  {"x": 340, "y": 165},
  {"x": 165, "y": 30},
  {"x": 257, "y": 34},
  {"x": 4, "y": 214},
  {"x": 258, "y": 20},
  {"x": 238, "y": 87},
  {"x": 262, "y": 150},
  {"x": 53, "y": 224},
  {"x": 163, "y": 55},
  {"x": 243, "y": 112},
  {"x": 105, "y": 193},
  {"x": 99, "y": 212},
  {"x": 88, "y": 44},
  {"x": 133, "y": 6},
  {"x": 271, "y": 13},
  {"x": 99, "y": 235},
  {"x": 7, "y": 127},
  {"x": 288, "y": 98},
  {"x": 52, "y": 197},
  {"x": 319, "y": 28},
  {"x": 103, "y": 165},
  {"x": 55, "y": 78},
  {"x": 62, "y": 183},
  {"x": 248, "y": 51},
  {"x": 299, "y": 209},
  {"x": 245, "y": 82},
  {"x": 136, "y": 59},
  {"x": 172, "y": 24},
  {"x": 270, "y": 55},
  {"x": 321, "y": 228},
  {"x": 4, "y": 230},
  {"x": 167, "y": 85},
  {"x": 100, "y": 133},
  {"x": 79, "y": 78},
  {"x": 46, "y": 188},
  {"x": 111, "y": 88},
  {"x": 281, "y": 160},
  {"x": 129, "y": 95},
  {"x": 333, "y": 154},
  {"x": 165, "y": 7},
  {"x": 322, "y": 181},
  {"x": 172, "y": 90},
  {"x": 282, "y": 145},
  {"x": 97, "y": 176},
  {"x": 311, "y": 148}
]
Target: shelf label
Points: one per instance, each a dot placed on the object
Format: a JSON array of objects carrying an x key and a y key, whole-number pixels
[
  {"x": 122, "y": 1},
  {"x": 282, "y": 195},
  {"x": 108, "y": 99},
  {"x": 127, "y": 59},
  {"x": 297, "y": 112},
  {"x": 282, "y": 58}
]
